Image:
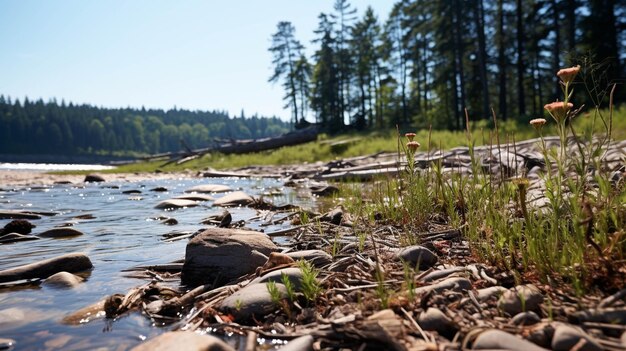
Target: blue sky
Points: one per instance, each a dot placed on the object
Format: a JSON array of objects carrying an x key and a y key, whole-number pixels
[{"x": 190, "y": 54}]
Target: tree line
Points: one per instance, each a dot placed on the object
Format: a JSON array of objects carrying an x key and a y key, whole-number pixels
[
  {"x": 38, "y": 127},
  {"x": 432, "y": 59}
]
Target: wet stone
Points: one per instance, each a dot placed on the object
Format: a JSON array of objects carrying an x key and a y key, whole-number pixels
[
  {"x": 133, "y": 192},
  {"x": 520, "y": 299},
  {"x": 499, "y": 340},
  {"x": 15, "y": 237},
  {"x": 566, "y": 337},
  {"x": 159, "y": 189},
  {"x": 237, "y": 198},
  {"x": 183, "y": 340},
  {"x": 20, "y": 226},
  {"x": 176, "y": 203},
  {"x": 417, "y": 255},
  {"x": 170, "y": 221},
  {"x": 195, "y": 197},
  {"x": 252, "y": 301},
  {"x": 62, "y": 232},
  {"x": 16, "y": 214},
  {"x": 63, "y": 280},
  {"x": 209, "y": 188},
  {"x": 74, "y": 262},
  {"x": 6, "y": 344}
]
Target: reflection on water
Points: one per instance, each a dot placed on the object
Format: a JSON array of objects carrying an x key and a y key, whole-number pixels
[{"x": 121, "y": 234}]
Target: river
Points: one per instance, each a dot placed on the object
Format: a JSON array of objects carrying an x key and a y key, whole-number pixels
[{"x": 122, "y": 233}]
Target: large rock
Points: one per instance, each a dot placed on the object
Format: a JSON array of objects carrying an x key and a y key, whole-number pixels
[
  {"x": 209, "y": 188},
  {"x": 417, "y": 255},
  {"x": 500, "y": 340},
  {"x": 175, "y": 203},
  {"x": 434, "y": 319},
  {"x": 237, "y": 198},
  {"x": 74, "y": 262},
  {"x": 253, "y": 301},
  {"x": 20, "y": 226},
  {"x": 183, "y": 340},
  {"x": 64, "y": 232},
  {"x": 220, "y": 255}
]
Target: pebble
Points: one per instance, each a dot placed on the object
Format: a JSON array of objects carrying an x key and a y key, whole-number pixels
[
  {"x": 499, "y": 340},
  {"x": 209, "y": 188},
  {"x": 63, "y": 280},
  {"x": 195, "y": 197},
  {"x": 252, "y": 301},
  {"x": 435, "y": 320},
  {"x": 175, "y": 203},
  {"x": 455, "y": 283},
  {"x": 63, "y": 232},
  {"x": 170, "y": 221},
  {"x": 603, "y": 315},
  {"x": 237, "y": 198},
  {"x": 567, "y": 336},
  {"x": 415, "y": 255},
  {"x": 159, "y": 189},
  {"x": 95, "y": 178},
  {"x": 17, "y": 214},
  {"x": 486, "y": 293},
  {"x": 73, "y": 262},
  {"x": 131, "y": 191},
  {"x": 521, "y": 298},
  {"x": 183, "y": 340},
  {"x": 525, "y": 318}
]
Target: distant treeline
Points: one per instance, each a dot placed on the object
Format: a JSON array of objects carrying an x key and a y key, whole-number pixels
[{"x": 39, "y": 127}]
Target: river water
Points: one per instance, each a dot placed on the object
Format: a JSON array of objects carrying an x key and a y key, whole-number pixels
[{"x": 122, "y": 234}]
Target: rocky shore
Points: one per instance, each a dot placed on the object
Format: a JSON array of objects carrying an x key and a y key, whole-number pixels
[{"x": 341, "y": 282}]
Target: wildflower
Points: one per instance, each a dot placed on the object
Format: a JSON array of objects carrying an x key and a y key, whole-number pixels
[
  {"x": 521, "y": 183},
  {"x": 410, "y": 136},
  {"x": 567, "y": 75},
  {"x": 558, "y": 110},
  {"x": 412, "y": 145},
  {"x": 538, "y": 122}
]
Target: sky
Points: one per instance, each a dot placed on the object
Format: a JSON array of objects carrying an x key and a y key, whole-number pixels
[{"x": 198, "y": 55}]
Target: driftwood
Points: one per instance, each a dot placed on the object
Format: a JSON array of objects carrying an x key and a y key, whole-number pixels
[{"x": 237, "y": 146}]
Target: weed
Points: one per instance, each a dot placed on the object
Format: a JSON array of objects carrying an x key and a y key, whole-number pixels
[{"x": 311, "y": 288}]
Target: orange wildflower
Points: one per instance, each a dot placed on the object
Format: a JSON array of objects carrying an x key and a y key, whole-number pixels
[
  {"x": 567, "y": 75},
  {"x": 558, "y": 110}
]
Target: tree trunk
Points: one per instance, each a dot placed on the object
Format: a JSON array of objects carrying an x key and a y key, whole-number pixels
[
  {"x": 502, "y": 107},
  {"x": 479, "y": 19},
  {"x": 521, "y": 103}
]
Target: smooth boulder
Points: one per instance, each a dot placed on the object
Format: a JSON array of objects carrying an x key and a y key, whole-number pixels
[
  {"x": 183, "y": 340},
  {"x": 175, "y": 203},
  {"x": 566, "y": 337},
  {"x": 74, "y": 262},
  {"x": 219, "y": 255},
  {"x": 237, "y": 198},
  {"x": 209, "y": 188},
  {"x": 455, "y": 284},
  {"x": 293, "y": 274},
  {"x": 318, "y": 258}
]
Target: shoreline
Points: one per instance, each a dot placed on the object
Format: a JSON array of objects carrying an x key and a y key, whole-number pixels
[{"x": 12, "y": 178}]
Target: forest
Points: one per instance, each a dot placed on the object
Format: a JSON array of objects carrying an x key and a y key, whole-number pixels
[
  {"x": 38, "y": 127},
  {"x": 429, "y": 60}
]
